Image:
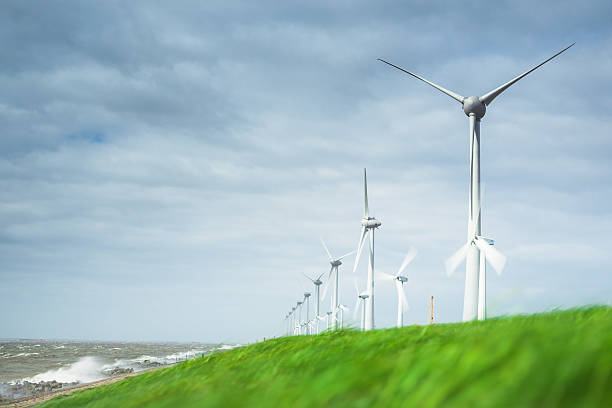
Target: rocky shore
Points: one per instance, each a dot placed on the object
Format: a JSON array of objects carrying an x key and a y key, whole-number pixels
[
  {"x": 10, "y": 392},
  {"x": 32, "y": 400},
  {"x": 17, "y": 390}
]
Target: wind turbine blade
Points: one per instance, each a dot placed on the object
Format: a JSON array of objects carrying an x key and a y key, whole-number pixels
[
  {"x": 319, "y": 277},
  {"x": 495, "y": 258},
  {"x": 366, "y": 212},
  {"x": 383, "y": 275},
  {"x": 308, "y": 277},
  {"x": 326, "y": 250},
  {"x": 356, "y": 308},
  {"x": 407, "y": 259},
  {"x": 488, "y": 97},
  {"x": 364, "y": 231},
  {"x": 345, "y": 255},
  {"x": 452, "y": 94},
  {"x": 327, "y": 284},
  {"x": 453, "y": 262},
  {"x": 401, "y": 295},
  {"x": 356, "y": 288}
]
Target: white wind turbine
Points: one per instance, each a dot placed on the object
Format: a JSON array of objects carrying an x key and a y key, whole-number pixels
[
  {"x": 360, "y": 304},
  {"x": 317, "y": 282},
  {"x": 293, "y": 319},
  {"x": 475, "y": 108},
  {"x": 298, "y": 326},
  {"x": 307, "y": 323},
  {"x": 399, "y": 280},
  {"x": 368, "y": 225},
  {"x": 328, "y": 319},
  {"x": 335, "y": 263},
  {"x": 342, "y": 309}
]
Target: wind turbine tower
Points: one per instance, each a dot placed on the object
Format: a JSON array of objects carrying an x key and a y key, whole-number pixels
[
  {"x": 475, "y": 108},
  {"x": 368, "y": 225}
]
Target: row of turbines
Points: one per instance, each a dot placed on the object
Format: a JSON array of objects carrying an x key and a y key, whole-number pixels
[{"x": 477, "y": 251}]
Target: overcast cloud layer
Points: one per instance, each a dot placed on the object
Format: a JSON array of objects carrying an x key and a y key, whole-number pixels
[{"x": 167, "y": 169}]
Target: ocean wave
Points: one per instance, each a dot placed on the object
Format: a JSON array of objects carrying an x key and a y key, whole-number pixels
[
  {"x": 86, "y": 369},
  {"x": 89, "y": 369},
  {"x": 228, "y": 346}
]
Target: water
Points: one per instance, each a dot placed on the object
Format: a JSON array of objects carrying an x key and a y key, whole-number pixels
[{"x": 23, "y": 362}]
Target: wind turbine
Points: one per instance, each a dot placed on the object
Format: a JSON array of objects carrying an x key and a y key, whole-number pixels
[
  {"x": 342, "y": 309},
  {"x": 317, "y": 282},
  {"x": 335, "y": 263},
  {"x": 299, "y": 322},
  {"x": 328, "y": 320},
  {"x": 307, "y": 301},
  {"x": 399, "y": 280},
  {"x": 475, "y": 108},
  {"x": 361, "y": 297},
  {"x": 368, "y": 225},
  {"x": 293, "y": 318}
]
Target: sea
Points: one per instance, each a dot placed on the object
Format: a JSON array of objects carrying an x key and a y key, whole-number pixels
[{"x": 30, "y": 367}]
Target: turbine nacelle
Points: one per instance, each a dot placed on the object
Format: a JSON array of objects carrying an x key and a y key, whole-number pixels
[
  {"x": 335, "y": 262},
  {"x": 364, "y": 296},
  {"x": 474, "y": 106},
  {"x": 306, "y": 295},
  {"x": 401, "y": 279},
  {"x": 370, "y": 222},
  {"x": 318, "y": 282}
]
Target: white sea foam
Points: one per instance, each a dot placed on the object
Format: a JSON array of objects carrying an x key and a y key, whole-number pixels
[
  {"x": 227, "y": 346},
  {"x": 25, "y": 354},
  {"x": 87, "y": 369}
]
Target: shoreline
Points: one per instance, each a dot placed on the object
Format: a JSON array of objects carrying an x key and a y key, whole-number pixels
[{"x": 33, "y": 400}]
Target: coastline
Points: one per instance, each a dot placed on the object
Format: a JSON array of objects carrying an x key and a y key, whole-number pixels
[{"x": 37, "y": 399}]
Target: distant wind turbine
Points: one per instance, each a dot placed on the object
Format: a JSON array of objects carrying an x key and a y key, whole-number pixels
[
  {"x": 335, "y": 263},
  {"x": 307, "y": 301},
  {"x": 368, "y": 225},
  {"x": 475, "y": 108},
  {"x": 399, "y": 280},
  {"x": 298, "y": 326},
  {"x": 360, "y": 304},
  {"x": 317, "y": 283}
]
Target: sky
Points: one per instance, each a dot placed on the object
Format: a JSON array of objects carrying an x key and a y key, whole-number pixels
[{"x": 168, "y": 168}]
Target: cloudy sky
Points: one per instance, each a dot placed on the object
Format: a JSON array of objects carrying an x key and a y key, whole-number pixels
[{"x": 167, "y": 168}]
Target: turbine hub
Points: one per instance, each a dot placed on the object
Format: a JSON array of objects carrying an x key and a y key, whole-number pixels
[
  {"x": 370, "y": 222},
  {"x": 473, "y": 105}
]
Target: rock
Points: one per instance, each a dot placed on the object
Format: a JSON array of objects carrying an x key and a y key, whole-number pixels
[{"x": 119, "y": 371}]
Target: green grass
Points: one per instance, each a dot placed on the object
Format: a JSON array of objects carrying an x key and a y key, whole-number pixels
[{"x": 559, "y": 359}]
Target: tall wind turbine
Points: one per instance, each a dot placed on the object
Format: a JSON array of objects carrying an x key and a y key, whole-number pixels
[
  {"x": 368, "y": 225},
  {"x": 475, "y": 108},
  {"x": 335, "y": 263},
  {"x": 399, "y": 280},
  {"x": 317, "y": 282}
]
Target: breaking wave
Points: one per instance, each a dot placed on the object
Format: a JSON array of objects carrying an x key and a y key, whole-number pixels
[{"x": 88, "y": 369}]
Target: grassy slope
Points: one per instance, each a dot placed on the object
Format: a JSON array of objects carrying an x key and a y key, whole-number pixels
[{"x": 551, "y": 360}]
